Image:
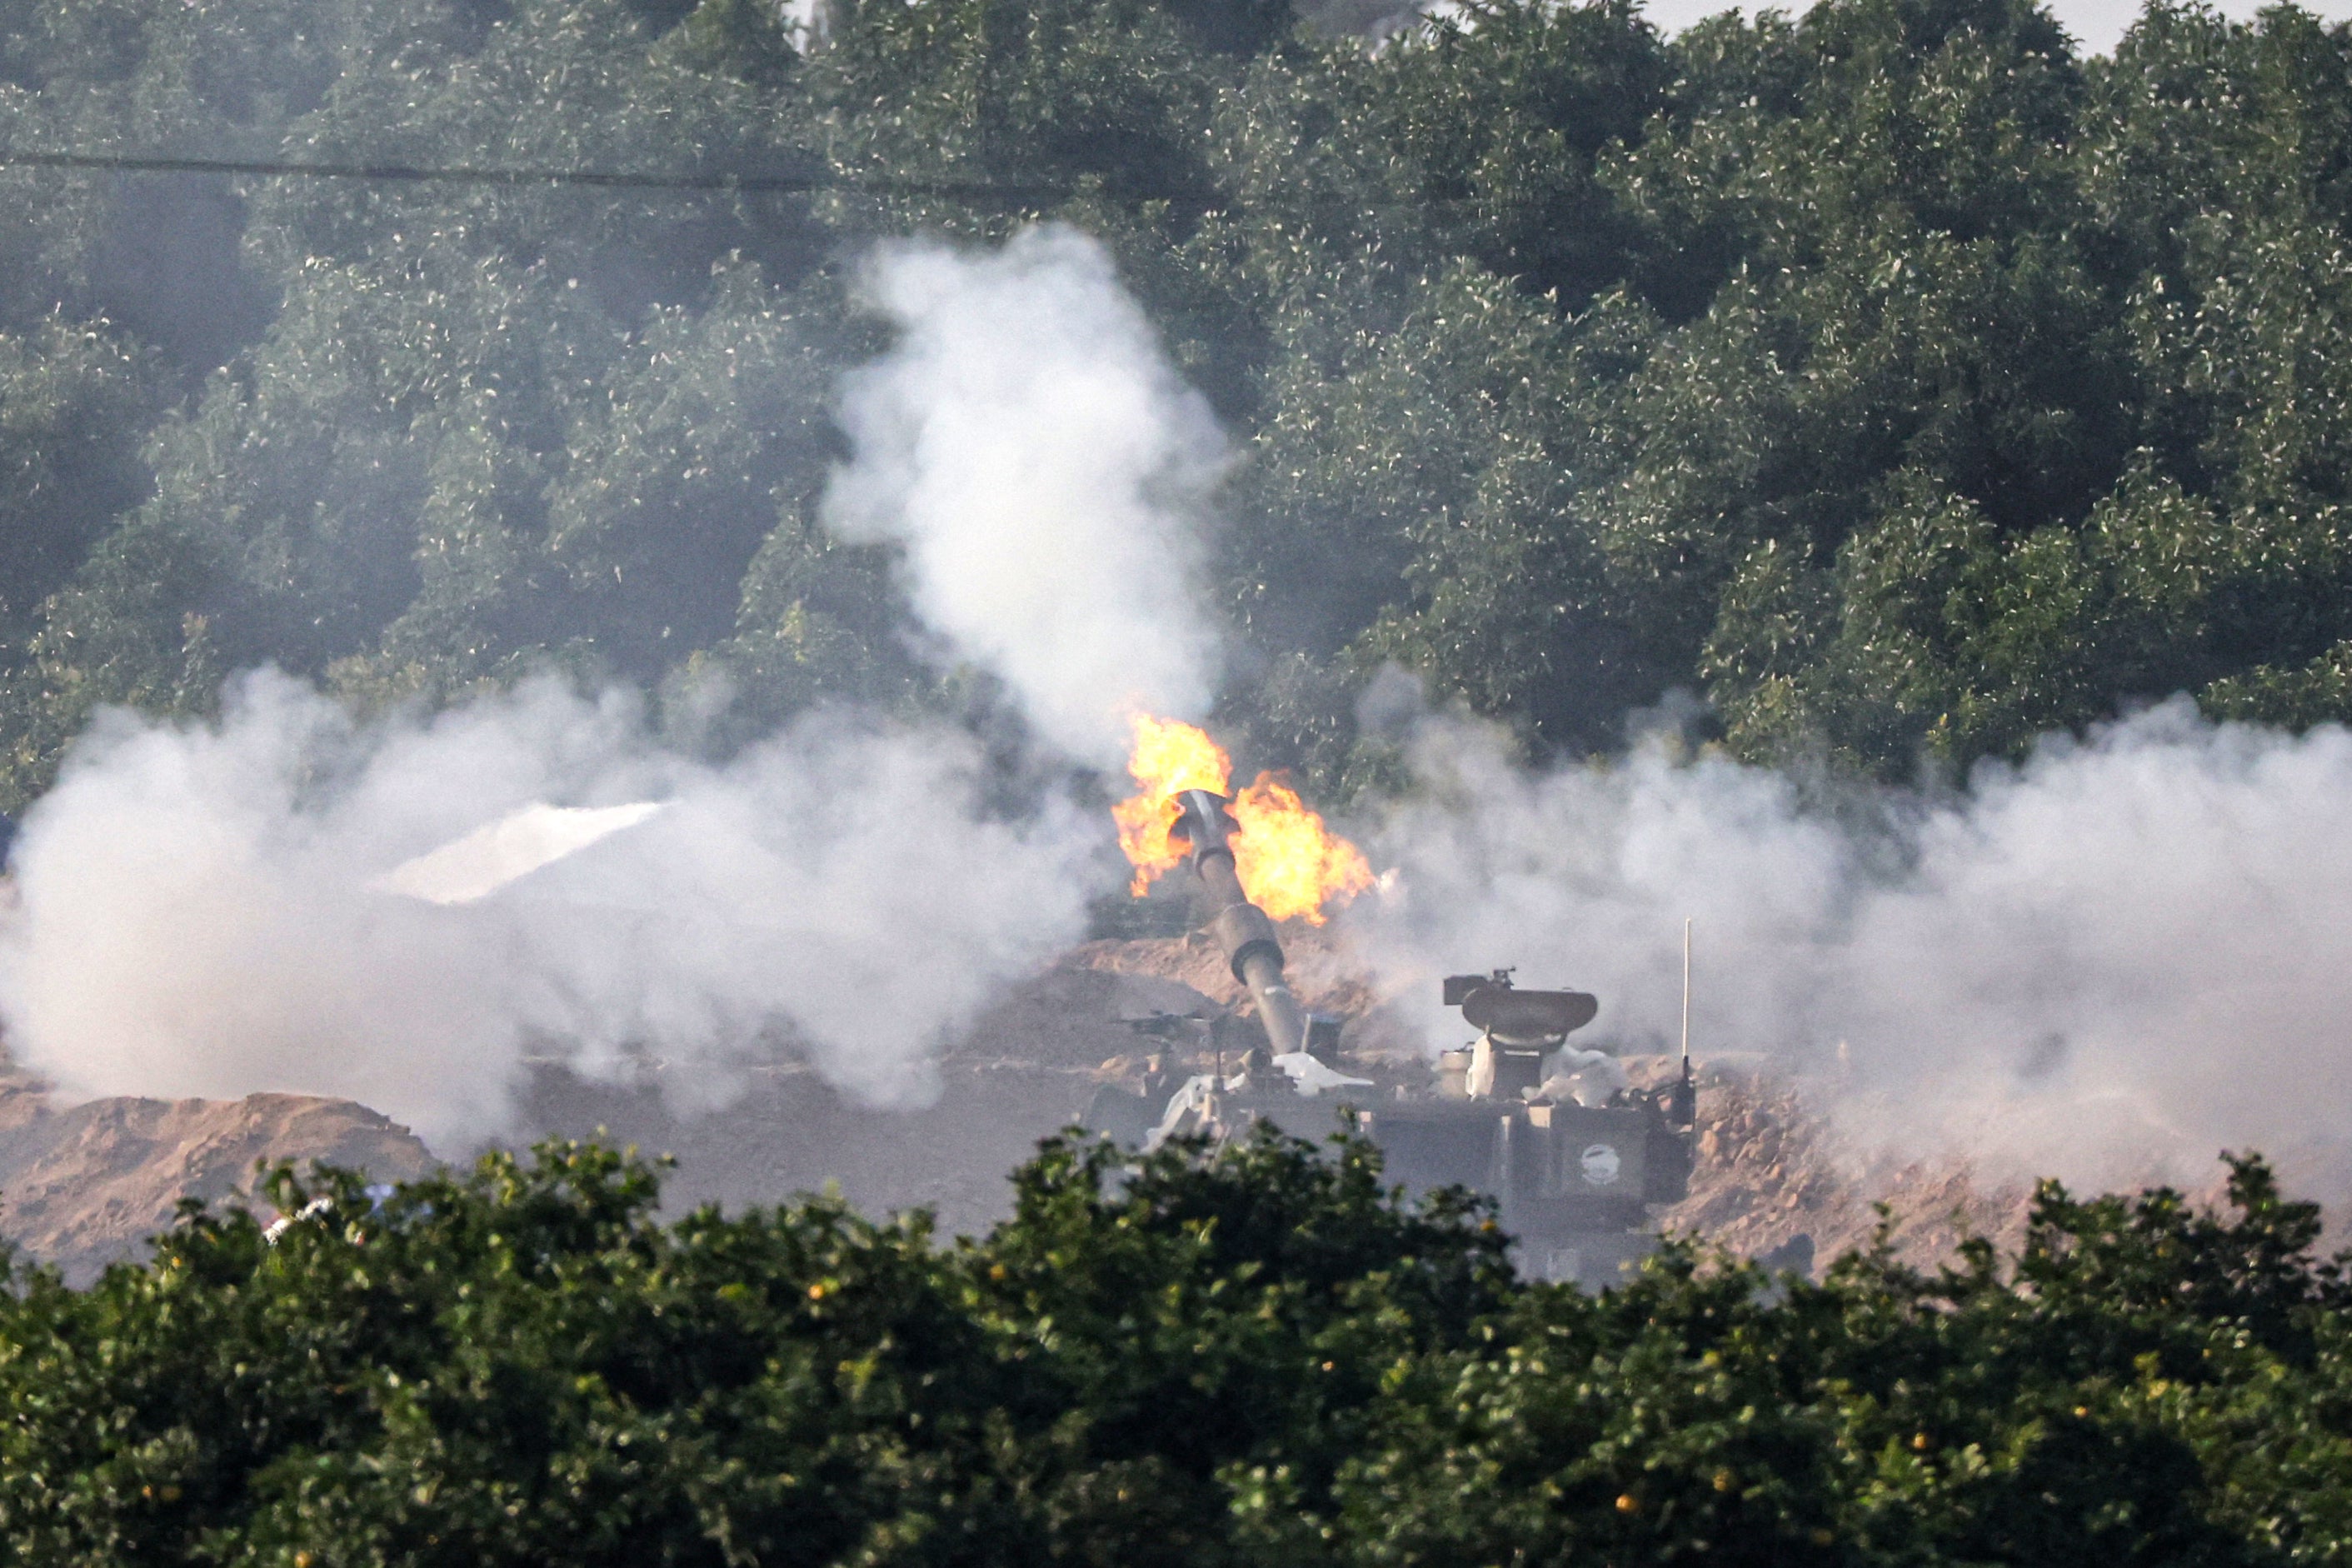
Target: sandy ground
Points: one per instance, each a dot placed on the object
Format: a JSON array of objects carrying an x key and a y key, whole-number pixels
[
  {"x": 83, "y": 1186},
  {"x": 80, "y": 1185}
]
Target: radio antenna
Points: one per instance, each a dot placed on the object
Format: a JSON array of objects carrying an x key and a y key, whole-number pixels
[
  {"x": 1686, "y": 933},
  {"x": 1682, "y": 1099}
]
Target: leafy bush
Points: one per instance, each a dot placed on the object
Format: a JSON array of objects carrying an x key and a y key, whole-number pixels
[{"x": 1256, "y": 1356}]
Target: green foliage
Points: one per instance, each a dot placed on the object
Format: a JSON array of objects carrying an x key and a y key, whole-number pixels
[
  {"x": 1902, "y": 379},
  {"x": 1257, "y": 1355}
]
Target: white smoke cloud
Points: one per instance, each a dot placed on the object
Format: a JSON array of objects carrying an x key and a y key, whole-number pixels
[
  {"x": 213, "y": 910},
  {"x": 194, "y": 915},
  {"x": 1045, "y": 468},
  {"x": 2108, "y": 964}
]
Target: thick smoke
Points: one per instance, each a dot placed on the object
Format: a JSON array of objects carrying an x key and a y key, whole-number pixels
[
  {"x": 195, "y": 914},
  {"x": 218, "y": 909},
  {"x": 2108, "y": 964},
  {"x": 1045, "y": 468}
]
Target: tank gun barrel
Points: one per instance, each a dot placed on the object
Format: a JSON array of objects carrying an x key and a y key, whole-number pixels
[{"x": 1241, "y": 927}]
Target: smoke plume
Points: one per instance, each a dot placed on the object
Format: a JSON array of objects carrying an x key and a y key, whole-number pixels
[
  {"x": 2108, "y": 964},
  {"x": 195, "y": 910},
  {"x": 403, "y": 911},
  {"x": 1046, "y": 469}
]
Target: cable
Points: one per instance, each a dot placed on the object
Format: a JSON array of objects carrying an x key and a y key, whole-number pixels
[{"x": 780, "y": 185}]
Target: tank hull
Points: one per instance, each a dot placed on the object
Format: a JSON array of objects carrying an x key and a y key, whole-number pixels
[{"x": 1573, "y": 1184}]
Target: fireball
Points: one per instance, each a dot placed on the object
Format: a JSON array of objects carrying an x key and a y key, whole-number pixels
[
  {"x": 1169, "y": 757},
  {"x": 1290, "y": 865}
]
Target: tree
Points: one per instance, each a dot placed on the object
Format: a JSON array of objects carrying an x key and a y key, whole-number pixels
[{"x": 1248, "y": 1355}]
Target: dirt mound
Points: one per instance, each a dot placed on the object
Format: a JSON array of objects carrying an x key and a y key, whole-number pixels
[
  {"x": 1322, "y": 971},
  {"x": 82, "y": 1186},
  {"x": 1770, "y": 1171}
]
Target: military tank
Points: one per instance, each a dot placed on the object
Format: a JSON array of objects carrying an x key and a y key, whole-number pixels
[{"x": 1575, "y": 1156}]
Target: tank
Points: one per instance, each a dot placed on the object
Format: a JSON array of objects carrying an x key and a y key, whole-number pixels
[{"x": 1576, "y": 1158}]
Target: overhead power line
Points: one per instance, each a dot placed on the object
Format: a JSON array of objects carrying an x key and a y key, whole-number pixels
[{"x": 604, "y": 179}]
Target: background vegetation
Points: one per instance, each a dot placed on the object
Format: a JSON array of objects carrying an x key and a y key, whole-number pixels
[
  {"x": 1899, "y": 378},
  {"x": 1255, "y": 1359}
]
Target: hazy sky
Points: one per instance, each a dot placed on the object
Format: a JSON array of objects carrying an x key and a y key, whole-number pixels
[{"x": 2096, "y": 23}]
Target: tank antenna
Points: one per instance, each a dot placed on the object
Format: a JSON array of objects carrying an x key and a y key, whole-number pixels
[
  {"x": 1682, "y": 1099},
  {"x": 1686, "y": 933}
]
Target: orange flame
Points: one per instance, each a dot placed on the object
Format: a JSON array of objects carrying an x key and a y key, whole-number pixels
[
  {"x": 1168, "y": 756},
  {"x": 1288, "y": 863}
]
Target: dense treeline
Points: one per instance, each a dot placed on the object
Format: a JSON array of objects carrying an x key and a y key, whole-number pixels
[
  {"x": 1254, "y": 1358},
  {"x": 1896, "y": 376}
]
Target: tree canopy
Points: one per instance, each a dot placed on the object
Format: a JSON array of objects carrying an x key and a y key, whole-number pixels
[
  {"x": 1894, "y": 376},
  {"x": 1258, "y": 1356}
]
